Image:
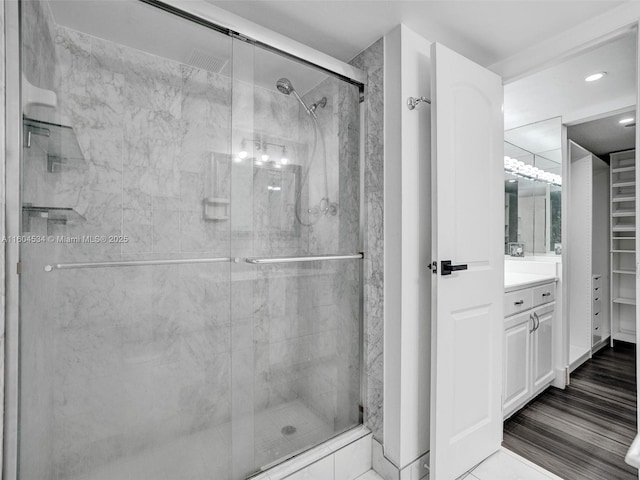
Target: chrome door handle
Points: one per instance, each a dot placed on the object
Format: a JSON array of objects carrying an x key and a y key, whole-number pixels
[
  {"x": 532, "y": 329},
  {"x": 537, "y": 319}
]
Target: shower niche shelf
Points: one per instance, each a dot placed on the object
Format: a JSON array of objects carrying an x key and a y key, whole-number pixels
[
  {"x": 215, "y": 208},
  {"x": 53, "y": 215},
  {"x": 59, "y": 142}
]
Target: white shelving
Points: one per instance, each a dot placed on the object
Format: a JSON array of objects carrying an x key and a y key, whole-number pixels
[{"x": 623, "y": 246}]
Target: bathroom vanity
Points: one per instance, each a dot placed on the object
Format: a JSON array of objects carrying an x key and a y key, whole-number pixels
[{"x": 529, "y": 305}]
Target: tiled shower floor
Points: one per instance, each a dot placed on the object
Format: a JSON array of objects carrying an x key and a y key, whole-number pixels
[{"x": 207, "y": 454}]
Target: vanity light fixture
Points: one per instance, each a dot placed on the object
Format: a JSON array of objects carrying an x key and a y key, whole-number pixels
[
  {"x": 520, "y": 169},
  {"x": 624, "y": 121},
  {"x": 594, "y": 77}
]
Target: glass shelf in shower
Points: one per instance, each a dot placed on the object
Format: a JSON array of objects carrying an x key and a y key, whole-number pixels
[
  {"x": 59, "y": 142},
  {"x": 58, "y": 215}
]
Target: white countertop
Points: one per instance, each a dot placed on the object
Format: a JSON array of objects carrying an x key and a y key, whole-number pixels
[{"x": 516, "y": 280}]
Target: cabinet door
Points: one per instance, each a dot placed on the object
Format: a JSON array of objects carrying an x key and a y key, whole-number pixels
[
  {"x": 542, "y": 345},
  {"x": 517, "y": 360}
]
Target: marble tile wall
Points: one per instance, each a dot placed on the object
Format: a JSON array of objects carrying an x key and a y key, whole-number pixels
[{"x": 371, "y": 60}]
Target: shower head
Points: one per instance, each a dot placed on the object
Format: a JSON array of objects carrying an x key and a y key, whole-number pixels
[{"x": 285, "y": 86}]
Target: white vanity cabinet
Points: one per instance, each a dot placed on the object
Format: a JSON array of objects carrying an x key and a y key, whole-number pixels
[{"x": 528, "y": 344}]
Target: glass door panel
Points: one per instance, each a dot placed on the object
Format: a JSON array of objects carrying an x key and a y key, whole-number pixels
[
  {"x": 125, "y": 340},
  {"x": 295, "y": 194}
]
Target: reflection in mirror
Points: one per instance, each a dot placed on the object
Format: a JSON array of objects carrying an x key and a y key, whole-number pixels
[{"x": 533, "y": 189}]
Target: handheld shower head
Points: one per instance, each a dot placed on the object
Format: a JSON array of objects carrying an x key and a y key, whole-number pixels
[{"x": 285, "y": 86}]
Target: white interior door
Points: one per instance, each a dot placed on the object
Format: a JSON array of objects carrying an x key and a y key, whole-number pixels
[{"x": 468, "y": 196}]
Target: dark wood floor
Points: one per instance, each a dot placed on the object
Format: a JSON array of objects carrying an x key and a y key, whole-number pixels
[{"x": 584, "y": 431}]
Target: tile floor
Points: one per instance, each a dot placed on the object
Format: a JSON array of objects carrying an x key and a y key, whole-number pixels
[{"x": 502, "y": 465}]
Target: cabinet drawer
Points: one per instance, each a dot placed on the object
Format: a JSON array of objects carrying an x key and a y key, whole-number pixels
[
  {"x": 597, "y": 307},
  {"x": 518, "y": 301},
  {"x": 544, "y": 294}
]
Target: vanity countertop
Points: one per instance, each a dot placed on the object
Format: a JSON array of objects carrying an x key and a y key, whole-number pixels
[{"x": 515, "y": 280}]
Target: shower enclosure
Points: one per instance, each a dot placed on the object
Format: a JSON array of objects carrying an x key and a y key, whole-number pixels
[{"x": 190, "y": 293}]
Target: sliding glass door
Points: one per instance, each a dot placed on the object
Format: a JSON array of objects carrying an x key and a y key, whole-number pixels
[{"x": 190, "y": 296}]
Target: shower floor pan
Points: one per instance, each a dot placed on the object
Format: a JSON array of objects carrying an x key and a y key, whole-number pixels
[{"x": 207, "y": 455}]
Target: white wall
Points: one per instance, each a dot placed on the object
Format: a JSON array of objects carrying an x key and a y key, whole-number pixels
[{"x": 407, "y": 237}]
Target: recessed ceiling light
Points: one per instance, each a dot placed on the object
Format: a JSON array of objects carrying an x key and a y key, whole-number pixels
[
  {"x": 595, "y": 77},
  {"x": 626, "y": 120}
]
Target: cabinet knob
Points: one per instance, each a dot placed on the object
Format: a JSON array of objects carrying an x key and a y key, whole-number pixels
[
  {"x": 519, "y": 302},
  {"x": 546, "y": 294}
]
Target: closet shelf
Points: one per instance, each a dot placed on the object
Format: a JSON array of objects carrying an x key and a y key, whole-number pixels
[
  {"x": 623, "y": 198},
  {"x": 59, "y": 142},
  {"x": 624, "y": 300},
  {"x": 624, "y": 213},
  {"x": 623, "y": 169},
  {"x": 623, "y": 184},
  {"x": 624, "y": 337},
  {"x": 623, "y": 271},
  {"x": 624, "y": 228}
]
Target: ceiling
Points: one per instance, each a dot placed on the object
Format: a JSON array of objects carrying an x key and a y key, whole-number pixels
[
  {"x": 604, "y": 135},
  {"x": 484, "y": 31},
  {"x": 561, "y": 90}
]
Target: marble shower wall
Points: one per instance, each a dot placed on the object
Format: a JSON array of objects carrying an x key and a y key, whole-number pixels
[{"x": 371, "y": 61}]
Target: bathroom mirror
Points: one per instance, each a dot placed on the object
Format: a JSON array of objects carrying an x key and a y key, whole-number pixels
[{"x": 533, "y": 189}]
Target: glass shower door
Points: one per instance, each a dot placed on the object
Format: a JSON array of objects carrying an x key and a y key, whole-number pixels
[
  {"x": 190, "y": 297},
  {"x": 295, "y": 240},
  {"x": 125, "y": 332}
]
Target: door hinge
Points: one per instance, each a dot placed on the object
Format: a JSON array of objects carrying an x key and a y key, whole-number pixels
[
  {"x": 19, "y": 268},
  {"x": 433, "y": 266}
]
